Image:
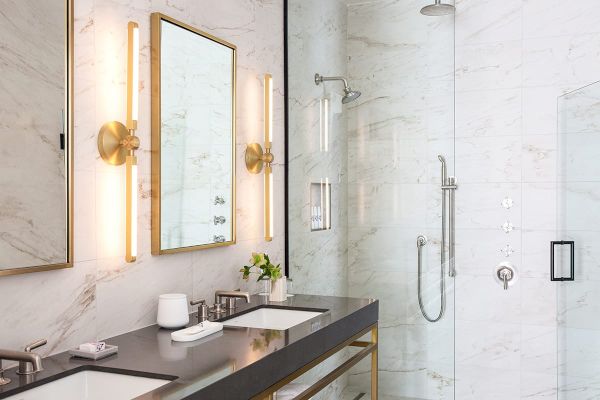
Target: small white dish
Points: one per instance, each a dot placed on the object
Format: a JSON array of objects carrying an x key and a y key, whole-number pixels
[{"x": 98, "y": 355}]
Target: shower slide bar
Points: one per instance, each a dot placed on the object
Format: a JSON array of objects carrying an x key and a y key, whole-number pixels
[{"x": 448, "y": 186}]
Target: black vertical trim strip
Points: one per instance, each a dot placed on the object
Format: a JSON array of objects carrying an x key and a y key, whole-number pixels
[{"x": 286, "y": 138}]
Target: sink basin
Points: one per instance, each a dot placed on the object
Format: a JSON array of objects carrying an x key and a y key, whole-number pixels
[
  {"x": 92, "y": 385},
  {"x": 271, "y": 318}
]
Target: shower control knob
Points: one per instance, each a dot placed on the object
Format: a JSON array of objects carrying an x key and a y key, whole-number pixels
[
  {"x": 507, "y": 202},
  {"x": 505, "y": 274}
]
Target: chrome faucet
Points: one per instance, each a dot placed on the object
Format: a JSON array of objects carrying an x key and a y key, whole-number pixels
[
  {"x": 231, "y": 296},
  {"x": 29, "y": 362}
]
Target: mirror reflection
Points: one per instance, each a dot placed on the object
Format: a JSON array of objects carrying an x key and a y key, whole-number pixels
[
  {"x": 196, "y": 147},
  {"x": 34, "y": 160}
]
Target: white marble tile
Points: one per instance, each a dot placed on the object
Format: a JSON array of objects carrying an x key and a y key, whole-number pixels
[
  {"x": 479, "y": 206},
  {"x": 536, "y": 256},
  {"x": 489, "y": 113},
  {"x": 476, "y": 383},
  {"x": 539, "y": 206},
  {"x": 538, "y": 301},
  {"x": 479, "y": 251},
  {"x": 488, "y": 345},
  {"x": 577, "y": 157},
  {"x": 477, "y": 23},
  {"x": 539, "y": 158},
  {"x": 488, "y": 66},
  {"x": 577, "y": 205},
  {"x": 493, "y": 303},
  {"x": 549, "y": 18},
  {"x": 489, "y": 159},
  {"x": 538, "y": 350},
  {"x": 564, "y": 60}
]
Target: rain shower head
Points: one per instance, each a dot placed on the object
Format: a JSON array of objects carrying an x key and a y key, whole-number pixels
[
  {"x": 349, "y": 94},
  {"x": 437, "y": 9}
]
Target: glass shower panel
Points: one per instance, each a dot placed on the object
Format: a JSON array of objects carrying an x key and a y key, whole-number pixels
[
  {"x": 365, "y": 178},
  {"x": 403, "y": 62},
  {"x": 578, "y": 228}
]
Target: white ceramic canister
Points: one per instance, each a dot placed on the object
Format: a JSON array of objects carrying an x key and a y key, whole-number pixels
[
  {"x": 278, "y": 290},
  {"x": 172, "y": 311}
]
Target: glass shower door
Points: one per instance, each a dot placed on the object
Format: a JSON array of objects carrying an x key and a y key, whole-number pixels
[{"x": 576, "y": 253}]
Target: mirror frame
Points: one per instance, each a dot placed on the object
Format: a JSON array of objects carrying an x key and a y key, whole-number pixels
[
  {"x": 156, "y": 20},
  {"x": 68, "y": 154}
]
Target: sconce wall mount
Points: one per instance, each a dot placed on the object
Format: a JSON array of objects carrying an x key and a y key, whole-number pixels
[
  {"x": 116, "y": 142},
  {"x": 256, "y": 158}
]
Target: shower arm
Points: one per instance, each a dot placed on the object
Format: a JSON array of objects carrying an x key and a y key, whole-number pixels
[{"x": 320, "y": 78}]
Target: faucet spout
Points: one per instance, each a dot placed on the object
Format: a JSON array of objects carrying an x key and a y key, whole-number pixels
[{"x": 232, "y": 294}]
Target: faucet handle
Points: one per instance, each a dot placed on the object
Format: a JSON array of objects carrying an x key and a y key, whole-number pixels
[
  {"x": 3, "y": 380},
  {"x": 196, "y": 302},
  {"x": 35, "y": 345}
]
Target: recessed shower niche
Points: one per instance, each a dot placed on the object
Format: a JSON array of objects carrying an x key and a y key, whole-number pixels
[{"x": 320, "y": 205}]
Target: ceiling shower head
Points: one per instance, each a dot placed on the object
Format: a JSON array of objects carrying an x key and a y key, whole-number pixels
[
  {"x": 438, "y": 9},
  {"x": 349, "y": 94}
]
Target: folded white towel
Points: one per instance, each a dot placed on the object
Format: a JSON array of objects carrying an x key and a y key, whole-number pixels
[{"x": 93, "y": 347}]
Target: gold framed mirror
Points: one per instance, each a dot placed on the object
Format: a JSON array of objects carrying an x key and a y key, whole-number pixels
[
  {"x": 193, "y": 138},
  {"x": 36, "y": 108}
]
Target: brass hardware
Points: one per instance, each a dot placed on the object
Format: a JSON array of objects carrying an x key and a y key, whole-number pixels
[
  {"x": 257, "y": 159},
  {"x": 68, "y": 162},
  {"x": 368, "y": 348},
  {"x": 111, "y": 142},
  {"x": 117, "y": 143},
  {"x": 156, "y": 19}
]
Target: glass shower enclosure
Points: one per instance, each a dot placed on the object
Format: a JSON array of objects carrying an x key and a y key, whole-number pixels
[
  {"x": 366, "y": 187},
  {"x": 575, "y": 250}
]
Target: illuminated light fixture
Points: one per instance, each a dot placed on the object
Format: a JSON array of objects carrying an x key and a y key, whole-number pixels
[
  {"x": 117, "y": 143},
  {"x": 256, "y": 158}
]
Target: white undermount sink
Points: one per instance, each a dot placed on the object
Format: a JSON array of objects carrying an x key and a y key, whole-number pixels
[
  {"x": 92, "y": 385},
  {"x": 272, "y": 318}
]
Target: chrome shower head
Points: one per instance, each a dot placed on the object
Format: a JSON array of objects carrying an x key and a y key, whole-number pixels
[
  {"x": 438, "y": 9},
  {"x": 349, "y": 94}
]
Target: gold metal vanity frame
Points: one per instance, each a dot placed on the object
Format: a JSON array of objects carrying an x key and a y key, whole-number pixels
[
  {"x": 368, "y": 348},
  {"x": 68, "y": 126},
  {"x": 156, "y": 19}
]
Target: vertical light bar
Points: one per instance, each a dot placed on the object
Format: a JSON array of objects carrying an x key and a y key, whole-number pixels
[
  {"x": 324, "y": 126},
  {"x": 268, "y": 203},
  {"x": 133, "y": 79},
  {"x": 268, "y": 111},
  {"x": 327, "y": 204},
  {"x": 131, "y": 209},
  {"x": 268, "y": 84},
  {"x": 133, "y": 71}
]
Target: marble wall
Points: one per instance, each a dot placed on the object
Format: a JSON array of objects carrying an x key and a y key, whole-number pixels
[
  {"x": 318, "y": 153},
  {"x": 513, "y": 58},
  {"x": 102, "y": 295}
]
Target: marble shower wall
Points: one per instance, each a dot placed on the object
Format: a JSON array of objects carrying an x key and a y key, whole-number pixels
[
  {"x": 102, "y": 295},
  {"x": 318, "y": 260},
  {"x": 513, "y": 58}
]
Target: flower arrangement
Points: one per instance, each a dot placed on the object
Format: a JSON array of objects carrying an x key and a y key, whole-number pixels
[{"x": 262, "y": 266}]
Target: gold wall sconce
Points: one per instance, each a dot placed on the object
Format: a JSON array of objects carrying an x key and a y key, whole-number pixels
[
  {"x": 257, "y": 159},
  {"x": 117, "y": 143}
]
